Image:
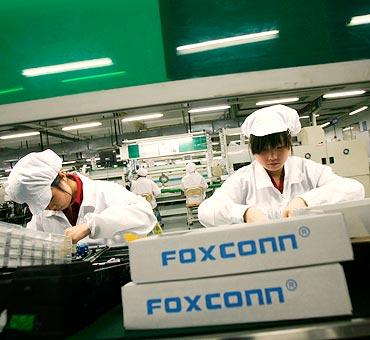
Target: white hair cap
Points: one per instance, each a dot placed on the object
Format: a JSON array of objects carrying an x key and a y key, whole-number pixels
[
  {"x": 142, "y": 172},
  {"x": 272, "y": 119},
  {"x": 190, "y": 167},
  {"x": 30, "y": 179}
]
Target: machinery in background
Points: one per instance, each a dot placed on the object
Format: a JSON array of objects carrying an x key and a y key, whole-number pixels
[
  {"x": 12, "y": 212},
  {"x": 234, "y": 149},
  {"x": 347, "y": 158},
  {"x": 165, "y": 159}
]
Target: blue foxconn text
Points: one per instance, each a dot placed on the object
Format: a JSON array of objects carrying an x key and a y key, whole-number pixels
[
  {"x": 229, "y": 250},
  {"x": 216, "y": 301}
]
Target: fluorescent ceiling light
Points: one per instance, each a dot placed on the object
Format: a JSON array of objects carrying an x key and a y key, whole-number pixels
[
  {"x": 142, "y": 117},
  {"x": 348, "y": 128},
  {"x": 19, "y": 135},
  {"x": 343, "y": 94},
  {"x": 209, "y": 108},
  {"x": 358, "y": 110},
  {"x": 10, "y": 90},
  {"x": 78, "y": 65},
  {"x": 103, "y": 75},
  {"x": 81, "y": 126},
  {"x": 96, "y": 158},
  {"x": 325, "y": 124},
  {"x": 360, "y": 20},
  {"x": 68, "y": 162},
  {"x": 306, "y": 117},
  {"x": 278, "y": 101},
  {"x": 226, "y": 42}
]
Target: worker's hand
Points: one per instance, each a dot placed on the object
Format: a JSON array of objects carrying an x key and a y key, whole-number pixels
[
  {"x": 78, "y": 232},
  {"x": 295, "y": 203},
  {"x": 254, "y": 215}
]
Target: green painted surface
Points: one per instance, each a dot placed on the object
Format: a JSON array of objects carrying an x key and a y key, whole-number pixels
[
  {"x": 133, "y": 151},
  {"x": 197, "y": 143},
  {"x": 22, "y": 322},
  {"x": 42, "y": 33},
  {"x": 310, "y": 32},
  {"x": 141, "y": 36}
]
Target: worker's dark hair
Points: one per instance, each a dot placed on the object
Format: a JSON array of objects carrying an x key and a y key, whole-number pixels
[
  {"x": 259, "y": 144},
  {"x": 55, "y": 183}
]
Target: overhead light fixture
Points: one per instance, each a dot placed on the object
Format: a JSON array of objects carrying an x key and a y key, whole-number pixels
[
  {"x": 343, "y": 94},
  {"x": 209, "y": 108},
  {"x": 19, "y": 135},
  {"x": 360, "y": 20},
  {"x": 277, "y": 101},
  {"x": 348, "y": 128},
  {"x": 325, "y": 124},
  {"x": 103, "y": 75},
  {"x": 142, "y": 117},
  {"x": 306, "y": 117},
  {"x": 81, "y": 126},
  {"x": 10, "y": 90},
  {"x": 226, "y": 42},
  {"x": 358, "y": 110},
  {"x": 96, "y": 159},
  {"x": 68, "y": 162},
  {"x": 78, "y": 65}
]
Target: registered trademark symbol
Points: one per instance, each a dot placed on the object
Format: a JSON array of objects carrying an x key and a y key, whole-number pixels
[
  {"x": 291, "y": 284},
  {"x": 304, "y": 231}
]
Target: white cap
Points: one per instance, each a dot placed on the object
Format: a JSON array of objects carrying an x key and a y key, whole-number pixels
[
  {"x": 190, "y": 167},
  {"x": 272, "y": 119},
  {"x": 30, "y": 179},
  {"x": 142, "y": 172}
]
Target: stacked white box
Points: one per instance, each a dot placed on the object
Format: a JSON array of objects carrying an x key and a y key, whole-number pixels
[{"x": 208, "y": 263}]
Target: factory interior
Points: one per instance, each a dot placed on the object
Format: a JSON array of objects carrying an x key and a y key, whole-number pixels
[{"x": 116, "y": 88}]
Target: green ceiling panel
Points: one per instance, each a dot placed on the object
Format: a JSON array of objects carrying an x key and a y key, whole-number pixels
[
  {"x": 42, "y": 32},
  {"x": 141, "y": 38},
  {"x": 310, "y": 32}
]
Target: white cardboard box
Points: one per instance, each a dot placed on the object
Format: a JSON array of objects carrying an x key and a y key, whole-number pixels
[
  {"x": 356, "y": 215},
  {"x": 245, "y": 248},
  {"x": 287, "y": 294}
]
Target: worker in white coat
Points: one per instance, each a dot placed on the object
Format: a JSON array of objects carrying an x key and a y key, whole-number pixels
[
  {"x": 193, "y": 179},
  {"x": 146, "y": 187},
  {"x": 276, "y": 183},
  {"x": 74, "y": 205}
]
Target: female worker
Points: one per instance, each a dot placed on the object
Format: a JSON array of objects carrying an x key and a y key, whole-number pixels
[
  {"x": 72, "y": 204},
  {"x": 193, "y": 179},
  {"x": 275, "y": 183}
]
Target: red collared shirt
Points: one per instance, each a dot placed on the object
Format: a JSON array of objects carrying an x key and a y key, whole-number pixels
[
  {"x": 72, "y": 211},
  {"x": 280, "y": 187}
]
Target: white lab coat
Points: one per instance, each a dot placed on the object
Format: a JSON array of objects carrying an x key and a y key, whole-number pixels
[
  {"x": 193, "y": 180},
  {"x": 106, "y": 207},
  {"x": 251, "y": 186},
  {"x": 145, "y": 185}
]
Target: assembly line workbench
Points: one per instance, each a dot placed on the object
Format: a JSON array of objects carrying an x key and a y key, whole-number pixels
[{"x": 110, "y": 326}]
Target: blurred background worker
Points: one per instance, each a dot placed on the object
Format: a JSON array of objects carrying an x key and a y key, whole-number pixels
[
  {"x": 193, "y": 179},
  {"x": 74, "y": 205},
  {"x": 146, "y": 188},
  {"x": 194, "y": 186},
  {"x": 276, "y": 183}
]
